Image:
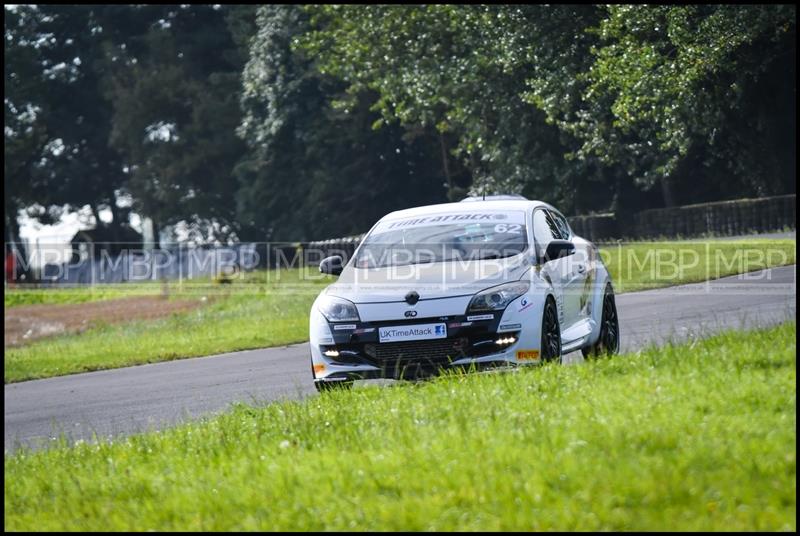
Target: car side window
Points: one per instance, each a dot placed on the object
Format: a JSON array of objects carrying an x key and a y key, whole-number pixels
[
  {"x": 544, "y": 230},
  {"x": 561, "y": 224}
]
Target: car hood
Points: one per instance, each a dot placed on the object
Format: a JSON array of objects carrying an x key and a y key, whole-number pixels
[{"x": 430, "y": 280}]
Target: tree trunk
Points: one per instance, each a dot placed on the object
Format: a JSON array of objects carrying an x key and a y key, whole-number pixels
[
  {"x": 13, "y": 230},
  {"x": 666, "y": 191},
  {"x": 96, "y": 214},
  {"x": 156, "y": 231},
  {"x": 446, "y": 164},
  {"x": 115, "y": 222},
  {"x": 473, "y": 163}
]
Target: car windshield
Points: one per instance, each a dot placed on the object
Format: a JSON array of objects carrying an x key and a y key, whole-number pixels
[{"x": 443, "y": 238}]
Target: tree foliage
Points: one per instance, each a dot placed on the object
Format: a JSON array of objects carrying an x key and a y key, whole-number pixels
[
  {"x": 108, "y": 101},
  {"x": 175, "y": 114},
  {"x": 669, "y": 80},
  {"x": 313, "y": 171},
  {"x": 57, "y": 121},
  {"x": 286, "y": 122},
  {"x": 641, "y": 94},
  {"x": 461, "y": 70}
]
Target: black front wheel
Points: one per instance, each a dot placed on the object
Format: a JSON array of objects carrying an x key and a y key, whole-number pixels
[
  {"x": 551, "y": 332},
  {"x": 608, "y": 342}
]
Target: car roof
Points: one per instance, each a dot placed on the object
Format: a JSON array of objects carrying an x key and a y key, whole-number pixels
[{"x": 503, "y": 204}]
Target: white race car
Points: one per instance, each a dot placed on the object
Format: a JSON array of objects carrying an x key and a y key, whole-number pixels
[{"x": 475, "y": 284}]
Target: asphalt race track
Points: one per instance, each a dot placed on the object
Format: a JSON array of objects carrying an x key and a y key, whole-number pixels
[{"x": 124, "y": 401}]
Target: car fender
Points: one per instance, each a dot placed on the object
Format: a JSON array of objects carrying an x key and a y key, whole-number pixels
[
  {"x": 601, "y": 278},
  {"x": 527, "y": 311}
]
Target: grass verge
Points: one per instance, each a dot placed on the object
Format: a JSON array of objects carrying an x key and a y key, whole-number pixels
[
  {"x": 21, "y": 295},
  {"x": 264, "y": 309},
  {"x": 271, "y": 308},
  {"x": 646, "y": 265},
  {"x": 696, "y": 437}
]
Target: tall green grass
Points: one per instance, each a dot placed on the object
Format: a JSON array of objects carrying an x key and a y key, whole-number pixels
[
  {"x": 696, "y": 437},
  {"x": 271, "y": 308}
]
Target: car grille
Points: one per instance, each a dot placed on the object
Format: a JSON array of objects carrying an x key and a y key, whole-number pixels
[
  {"x": 428, "y": 353},
  {"x": 409, "y": 359}
]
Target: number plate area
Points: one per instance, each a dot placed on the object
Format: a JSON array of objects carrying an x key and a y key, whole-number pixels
[{"x": 416, "y": 332}]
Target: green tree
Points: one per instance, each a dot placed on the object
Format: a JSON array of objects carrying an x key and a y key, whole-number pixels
[
  {"x": 106, "y": 101},
  {"x": 176, "y": 109},
  {"x": 312, "y": 171},
  {"x": 677, "y": 97},
  {"x": 465, "y": 71},
  {"x": 25, "y": 135},
  {"x": 677, "y": 85},
  {"x": 57, "y": 119}
]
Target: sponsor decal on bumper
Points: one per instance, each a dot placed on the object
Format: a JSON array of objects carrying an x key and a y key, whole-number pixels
[
  {"x": 413, "y": 332},
  {"x": 480, "y": 317}
]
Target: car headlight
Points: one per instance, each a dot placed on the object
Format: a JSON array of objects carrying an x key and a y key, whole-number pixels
[
  {"x": 497, "y": 298},
  {"x": 338, "y": 309}
]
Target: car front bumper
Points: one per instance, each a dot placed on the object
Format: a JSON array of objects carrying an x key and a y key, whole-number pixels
[{"x": 356, "y": 352}]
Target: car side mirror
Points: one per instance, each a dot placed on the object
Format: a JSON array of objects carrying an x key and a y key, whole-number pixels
[
  {"x": 558, "y": 249},
  {"x": 331, "y": 265}
]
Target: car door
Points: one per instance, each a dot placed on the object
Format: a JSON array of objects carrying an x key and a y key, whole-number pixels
[
  {"x": 577, "y": 271},
  {"x": 556, "y": 271}
]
